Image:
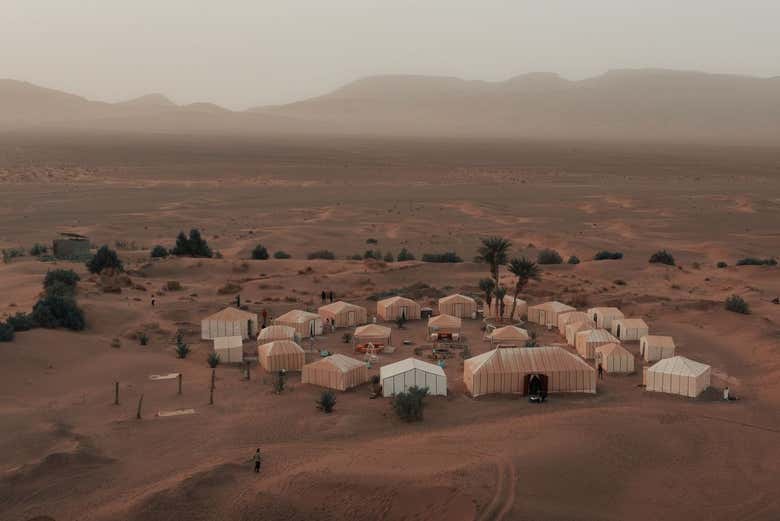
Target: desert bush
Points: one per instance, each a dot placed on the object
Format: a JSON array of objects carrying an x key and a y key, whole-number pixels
[
  {"x": 608, "y": 255},
  {"x": 12, "y": 253},
  {"x": 372, "y": 241},
  {"x": 346, "y": 338},
  {"x": 54, "y": 311},
  {"x": 737, "y": 304},
  {"x": 409, "y": 405},
  {"x": 173, "y": 285},
  {"x": 373, "y": 254},
  {"x": 532, "y": 340},
  {"x": 282, "y": 255},
  {"x": 21, "y": 321},
  {"x": 446, "y": 257},
  {"x": 159, "y": 252},
  {"x": 548, "y": 256},
  {"x": 104, "y": 258},
  {"x": 69, "y": 277},
  {"x": 7, "y": 332},
  {"x": 662, "y": 257},
  {"x": 405, "y": 255},
  {"x": 182, "y": 349},
  {"x": 355, "y": 257},
  {"x": 752, "y": 261},
  {"x": 260, "y": 252},
  {"x": 321, "y": 254},
  {"x": 193, "y": 245},
  {"x": 573, "y": 260},
  {"x": 326, "y": 402},
  {"x": 213, "y": 360},
  {"x": 722, "y": 264},
  {"x": 39, "y": 249},
  {"x": 389, "y": 257},
  {"x": 619, "y": 282}
]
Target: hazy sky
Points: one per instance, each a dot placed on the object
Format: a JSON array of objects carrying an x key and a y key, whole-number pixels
[{"x": 244, "y": 53}]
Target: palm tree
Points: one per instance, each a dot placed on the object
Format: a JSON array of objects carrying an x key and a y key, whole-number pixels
[
  {"x": 494, "y": 251},
  {"x": 487, "y": 286},
  {"x": 500, "y": 293},
  {"x": 525, "y": 270}
]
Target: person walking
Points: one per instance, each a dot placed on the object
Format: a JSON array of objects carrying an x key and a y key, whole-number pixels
[
  {"x": 153, "y": 301},
  {"x": 256, "y": 459},
  {"x": 601, "y": 371},
  {"x": 331, "y": 296},
  {"x": 238, "y": 301},
  {"x": 323, "y": 296}
]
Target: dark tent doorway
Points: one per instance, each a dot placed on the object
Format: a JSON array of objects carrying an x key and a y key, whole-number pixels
[{"x": 535, "y": 384}]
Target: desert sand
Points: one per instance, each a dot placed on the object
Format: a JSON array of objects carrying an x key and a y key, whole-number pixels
[{"x": 67, "y": 452}]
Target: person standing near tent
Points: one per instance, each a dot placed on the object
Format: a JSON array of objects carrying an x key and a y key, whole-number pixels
[
  {"x": 601, "y": 371},
  {"x": 726, "y": 393},
  {"x": 323, "y": 296},
  {"x": 256, "y": 459},
  {"x": 331, "y": 296},
  {"x": 265, "y": 317},
  {"x": 153, "y": 301},
  {"x": 238, "y": 301}
]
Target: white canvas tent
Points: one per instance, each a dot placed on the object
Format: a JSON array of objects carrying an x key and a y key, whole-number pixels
[
  {"x": 271, "y": 333},
  {"x": 547, "y": 313},
  {"x": 572, "y": 328},
  {"x": 374, "y": 333},
  {"x": 281, "y": 354},
  {"x": 305, "y": 324},
  {"x": 587, "y": 341},
  {"x": 628, "y": 329},
  {"x": 614, "y": 358},
  {"x": 229, "y": 322},
  {"x": 570, "y": 318},
  {"x": 444, "y": 325},
  {"x": 399, "y": 376},
  {"x": 603, "y": 316},
  {"x": 458, "y": 305},
  {"x": 656, "y": 347},
  {"x": 395, "y": 307},
  {"x": 230, "y": 349},
  {"x": 344, "y": 314},
  {"x": 508, "y": 335},
  {"x": 678, "y": 375}
]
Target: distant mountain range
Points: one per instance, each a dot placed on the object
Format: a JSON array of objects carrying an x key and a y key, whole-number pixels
[{"x": 643, "y": 104}]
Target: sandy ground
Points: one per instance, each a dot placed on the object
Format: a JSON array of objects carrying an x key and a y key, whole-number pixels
[{"x": 67, "y": 452}]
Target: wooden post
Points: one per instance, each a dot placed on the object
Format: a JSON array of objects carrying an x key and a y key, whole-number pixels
[
  {"x": 211, "y": 392},
  {"x": 140, "y": 402},
  {"x": 179, "y": 383},
  {"x": 116, "y": 393}
]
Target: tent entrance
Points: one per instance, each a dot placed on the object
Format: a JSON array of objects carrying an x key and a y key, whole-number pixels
[
  {"x": 535, "y": 384},
  {"x": 249, "y": 328},
  {"x": 617, "y": 331},
  {"x": 403, "y": 312},
  {"x": 311, "y": 328},
  {"x": 351, "y": 318},
  {"x": 458, "y": 310}
]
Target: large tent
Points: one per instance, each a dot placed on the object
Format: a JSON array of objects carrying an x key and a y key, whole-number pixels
[
  {"x": 587, "y": 341},
  {"x": 229, "y": 322},
  {"x": 512, "y": 370},
  {"x": 656, "y": 347},
  {"x": 547, "y": 313},
  {"x": 374, "y": 333},
  {"x": 678, "y": 375},
  {"x": 305, "y": 324},
  {"x": 615, "y": 358},
  {"x": 629, "y": 328},
  {"x": 395, "y": 307},
  {"x": 271, "y": 333},
  {"x": 338, "y": 372},
  {"x": 444, "y": 325},
  {"x": 603, "y": 316},
  {"x": 344, "y": 314},
  {"x": 521, "y": 308},
  {"x": 458, "y": 305},
  {"x": 281, "y": 354},
  {"x": 569, "y": 318},
  {"x": 508, "y": 335},
  {"x": 400, "y": 376},
  {"x": 229, "y": 348},
  {"x": 572, "y": 328}
]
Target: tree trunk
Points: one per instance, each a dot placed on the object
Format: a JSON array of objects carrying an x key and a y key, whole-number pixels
[
  {"x": 138, "y": 412},
  {"x": 514, "y": 302}
]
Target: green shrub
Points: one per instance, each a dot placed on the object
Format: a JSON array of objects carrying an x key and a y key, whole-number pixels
[
  {"x": 143, "y": 338},
  {"x": 751, "y": 261},
  {"x": 213, "y": 360},
  {"x": 39, "y": 249},
  {"x": 389, "y": 257},
  {"x": 327, "y": 402},
  {"x": 12, "y": 253},
  {"x": 21, "y": 321},
  {"x": 446, "y": 257},
  {"x": 54, "y": 311},
  {"x": 182, "y": 349},
  {"x": 346, "y": 338},
  {"x": 355, "y": 257},
  {"x": 548, "y": 256},
  {"x": 722, "y": 264},
  {"x": 608, "y": 255},
  {"x": 372, "y": 241},
  {"x": 282, "y": 255},
  {"x": 405, "y": 255},
  {"x": 737, "y": 304},
  {"x": 573, "y": 260},
  {"x": 321, "y": 254},
  {"x": 409, "y": 405},
  {"x": 67, "y": 277},
  {"x": 6, "y": 332},
  {"x": 260, "y": 253},
  {"x": 662, "y": 257},
  {"x": 373, "y": 254},
  {"x": 193, "y": 245},
  {"x": 104, "y": 258},
  {"x": 159, "y": 252}
]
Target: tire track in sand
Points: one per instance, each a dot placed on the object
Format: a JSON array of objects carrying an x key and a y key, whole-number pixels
[{"x": 504, "y": 498}]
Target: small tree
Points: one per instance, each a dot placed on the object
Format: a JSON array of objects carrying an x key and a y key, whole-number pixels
[
  {"x": 608, "y": 255},
  {"x": 500, "y": 293},
  {"x": 193, "y": 245},
  {"x": 405, "y": 255},
  {"x": 487, "y": 286},
  {"x": 6, "y": 332},
  {"x": 21, "y": 321},
  {"x": 737, "y": 304},
  {"x": 346, "y": 338},
  {"x": 573, "y": 260},
  {"x": 722, "y": 264},
  {"x": 494, "y": 251},
  {"x": 67, "y": 277},
  {"x": 389, "y": 257},
  {"x": 400, "y": 321},
  {"x": 409, "y": 405},
  {"x": 38, "y": 249},
  {"x": 104, "y": 258},
  {"x": 143, "y": 338},
  {"x": 524, "y": 270},
  {"x": 531, "y": 342},
  {"x": 327, "y": 402},
  {"x": 213, "y": 360},
  {"x": 54, "y": 311},
  {"x": 260, "y": 252},
  {"x": 159, "y": 252},
  {"x": 662, "y": 257},
  {"x": 321, "y": 254},
  {"x": 548, "y": 256},
  {"x": 182, "y": 349},
  {"x": 282, "y": 255}
]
